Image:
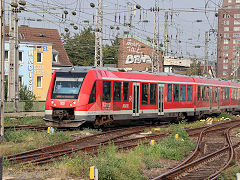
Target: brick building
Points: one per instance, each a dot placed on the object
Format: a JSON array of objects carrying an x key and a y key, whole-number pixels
[
  {"x": 228, "y": 39},
  {"x": 135, "y": 53}
]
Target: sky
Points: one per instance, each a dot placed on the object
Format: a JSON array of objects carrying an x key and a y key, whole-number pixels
[{"x": 187, "y": 23}]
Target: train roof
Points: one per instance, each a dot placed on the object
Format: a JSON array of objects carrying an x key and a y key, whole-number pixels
[{"x": 115, "y": 73}]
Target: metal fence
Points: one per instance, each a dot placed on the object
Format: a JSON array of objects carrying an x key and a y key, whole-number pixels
[{"x": 37, "y": 106}]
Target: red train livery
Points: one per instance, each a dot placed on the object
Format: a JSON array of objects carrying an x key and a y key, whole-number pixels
[{"x": 101, "y": 95}]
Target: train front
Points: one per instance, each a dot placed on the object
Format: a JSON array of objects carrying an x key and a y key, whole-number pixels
[{"x": 62, "y": 98}]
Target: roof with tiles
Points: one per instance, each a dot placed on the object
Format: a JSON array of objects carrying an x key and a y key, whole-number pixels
[{"x": 42, "y": 35}]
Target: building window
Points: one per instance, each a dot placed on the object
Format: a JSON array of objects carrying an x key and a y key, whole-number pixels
[
  {"x": 6, "y": 55},
  {"x": 236, "y": 35},
  {"x": 225, "y": 60},
  {"x": 226, "y": 16},
  {"x": 236, "y": 28},
  {"x": 226, "y": 35},
  {"x": 236, "y": 22},
  {"x": 225, "y": 66},
  {"x": 226, "y": 28},
  {"x": 225, "y": 54},
  {"x": 144, "y": 93},
  {"x": 107, "y": 91},
  {"x": 226, "y": 22},
  {"x": 225, "y": 41},
  {"x": 237, "y": 1},
  {"x": 20, "y": 57},
  {"x": 229, "y": 1},
  {"x": 55, "y": 57},
  {"x": 225, "y": 48},
  {"x": 237, "y": 6},
  {"x": 39, "y": 81},
  {"x": 224, "y": 73},
  {"x": 235, "y": 54},
  {"x": 117, "y": 91},
  {"x": 236, "y": 15},
  {"x": 39, "y": 57}
]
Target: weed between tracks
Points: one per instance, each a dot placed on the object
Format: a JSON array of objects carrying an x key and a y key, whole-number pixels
[
  {"x": 112, "y": 164},
  {"x": 28, "y": 121}
]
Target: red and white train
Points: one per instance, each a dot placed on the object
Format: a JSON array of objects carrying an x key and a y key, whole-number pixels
[{"x": 101, "y": 95}]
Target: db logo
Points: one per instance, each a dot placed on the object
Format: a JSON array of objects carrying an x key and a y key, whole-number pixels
[{"x": 62, "y": 103}]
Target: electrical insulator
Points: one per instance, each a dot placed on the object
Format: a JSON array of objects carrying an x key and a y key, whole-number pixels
[
  {"x": 216, "y": 14},
  {"x": 65, "y": 12},
  {"x": 138, "y": 6},
  {"x": 22, "y": 2},
  {"x": 92, "y": 5},
  {"x": 75, "y": 27},
  {"x": 74, "y": 13},
  {"x": 66, "y": 29},
  {"x": 111, "y": 27},
  {"x": 21, "y": 9},
  {"x": 145, "y": 21},
  {"x": 13, "y": 4},
  {"x": 71, "y": 24},
  {"x": 117, "y": 28}
]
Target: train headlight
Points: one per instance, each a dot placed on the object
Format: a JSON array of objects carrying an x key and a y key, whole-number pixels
[
  {"x": 70, "y": 105},
  {"x": 52, "y": 102},
  {"x": 74, "y": 102}
]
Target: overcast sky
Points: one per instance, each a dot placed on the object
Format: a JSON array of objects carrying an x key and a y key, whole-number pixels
[{"x": 185, "y": 30}]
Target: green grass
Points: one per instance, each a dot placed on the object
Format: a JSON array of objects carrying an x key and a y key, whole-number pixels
[
  {"x": 230, "y": 173},
  {"x": 126, "y": 165},
  {"x": 30, "y": 121}
]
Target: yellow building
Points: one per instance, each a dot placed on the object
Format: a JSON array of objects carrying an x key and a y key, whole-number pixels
[{"x": 41, "y": 70}]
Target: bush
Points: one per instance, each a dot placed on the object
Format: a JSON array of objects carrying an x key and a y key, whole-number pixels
[{"x": 28, "y": 97}]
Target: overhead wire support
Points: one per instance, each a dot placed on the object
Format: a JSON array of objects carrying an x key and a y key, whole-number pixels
[
  {"x": 157, "y": 64},
  {"x": 98, "y": 60}
]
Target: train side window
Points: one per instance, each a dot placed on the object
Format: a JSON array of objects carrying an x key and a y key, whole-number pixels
[
  {"x": 189, "y": 92},
  {"x": 92, "y": 98},
  {"x": 144, "y": 93},
  {"x": 169, "y": 92},
  {"x": 153, "y": 98},
  {"x": 228, "y": 94},
  {"x": 207, "y": 91},
  {"x": 175, "y": 92},
  {"x": 199, "y": 93},
  {"x": 125, "y": 91},
  {"x": 183, "y": 93},
  {"x": 107, "y": 91},
  {"x": 117, "y": 91}
]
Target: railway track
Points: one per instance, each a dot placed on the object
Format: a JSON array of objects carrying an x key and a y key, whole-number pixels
[
  {"x": 213, "y": 154},
  {"x": 33, "y": 128}
]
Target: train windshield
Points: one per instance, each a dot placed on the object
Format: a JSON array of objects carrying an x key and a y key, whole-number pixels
[{"x": 67, "y": 85}]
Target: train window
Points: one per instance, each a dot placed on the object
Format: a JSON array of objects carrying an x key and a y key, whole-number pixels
[
  {"x": 175, "y": 92},
  {"x": 199, "y": 93},
  {"x": 189, "y": 92},
  {"x": 183, "y": 93},
  {"x": 153, "y": 88},
  {"x": 107, "y": 91},
  {"x": 169, "y": 92},
  {"x": 227, "y": 93},
  {"x": 92, "y": 98},
  {"x": 125, "y": 91},
  {"x": 207, "y": 93},
  {"x": 144, "y": 93},
  {"x": 117, "y": 91}
]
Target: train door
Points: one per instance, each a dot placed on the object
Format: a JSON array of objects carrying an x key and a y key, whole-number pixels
[
  {"x": 160, "y": 99},
  {"x": 136, "y": 98},
  {"x": 218, "y": 96},
  {"x": 211, "y": 93}
]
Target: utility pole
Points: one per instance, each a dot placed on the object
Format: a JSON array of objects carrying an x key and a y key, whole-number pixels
[
  {"x": 13, "y": 55},
  {"x": 2, "y": 52},
  {"x": 99, "y": 35},
  {"x": 157, "y": 65},
  {"x": 206, "y": 53},
  {"x": 166, "y": 34}
]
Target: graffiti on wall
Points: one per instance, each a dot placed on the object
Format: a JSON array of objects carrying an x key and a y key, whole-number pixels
[
  {"x": 30, "y": 70},
  {"x": 135, "y": 54}
]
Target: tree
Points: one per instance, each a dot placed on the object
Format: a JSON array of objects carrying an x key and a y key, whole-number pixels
[
  {"x": 80, "y": 47},
  {"x": 194, "y": 69},
  {"x": 26, "y": 96}
]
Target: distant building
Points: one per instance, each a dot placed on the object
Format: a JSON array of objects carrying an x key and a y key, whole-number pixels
[
  {"x": 228, "y": 39},
  {"x": 135, "y": 53},
  {"x": 40, "y": 51},
  {"x": 176, "y": 65}
]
